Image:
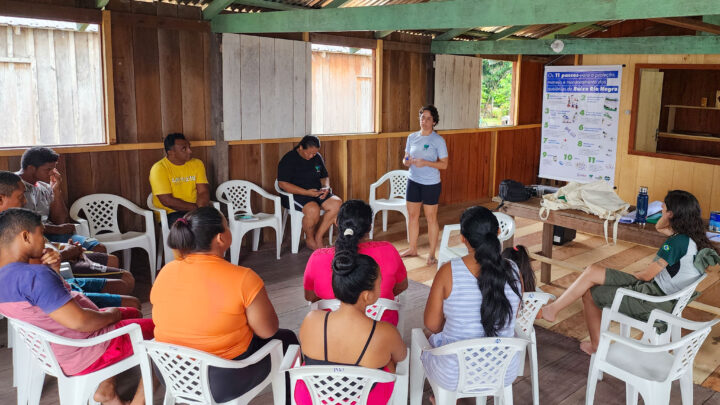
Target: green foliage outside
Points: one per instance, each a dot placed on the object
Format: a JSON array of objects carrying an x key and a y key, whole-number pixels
[{"x": 496, "y": 92}]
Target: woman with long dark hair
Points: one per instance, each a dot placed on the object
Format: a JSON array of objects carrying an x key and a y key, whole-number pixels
[
  {"x": 353, "y": 221},
  {"x": 206, "y": 303},
  {"x": 347, "y": 336},
  {"x": 672, "y": 270},
  {"x": 471, "y": 297},
  {"x": 302, "y": 172}
]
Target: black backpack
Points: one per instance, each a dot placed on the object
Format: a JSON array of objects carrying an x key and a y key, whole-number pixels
[{"x": 513, "y": 191}]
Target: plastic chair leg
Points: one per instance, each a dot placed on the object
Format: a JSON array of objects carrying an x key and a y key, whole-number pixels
[
  {"x": 169, "y": 399},
  {"x": 385, "y": 215},
  {"x": 278, "y": 240},
  {"x": 372, "y": 225},
  {"x": 631, "y": 394},
  {"x": 534, "y": 374},
  {"x": 480, "y": 400},
  {"x": 686, "y": 387},
  {"x": 127, "y": 256},
  {"x": 295, "y": 233},
  {"x": 417, "y": 375},
  {"x": 256, "y": 239},
  {"x": 591, "y": 384},
  {"x": 507, "y": 395}
]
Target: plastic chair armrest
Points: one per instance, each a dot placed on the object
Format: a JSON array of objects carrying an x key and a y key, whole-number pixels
[
  {"x": 418, "y": 338},
  {"x": 255, "y": 358},
  {"x": 133, "y": 330},
  {"x": 675, "y": 321},
  {"x": 291, "y": 358},
  {"x": 622, "y": 292},
  {"x": 82, "y": 227},
  {"x": 133, "y": 207},
  {"x": 637, "y": 345}
]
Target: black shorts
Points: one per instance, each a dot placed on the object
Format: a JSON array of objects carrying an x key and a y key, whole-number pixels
[
  {"x": 428, "y": 194},
  {"x": 301, "y": 200}
]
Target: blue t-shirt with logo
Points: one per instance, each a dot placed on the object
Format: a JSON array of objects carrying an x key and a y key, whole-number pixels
[{"x": 431, "y": 148}]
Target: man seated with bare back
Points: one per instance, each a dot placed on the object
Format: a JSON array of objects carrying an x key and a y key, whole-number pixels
[{"x": 179, "y": 183}]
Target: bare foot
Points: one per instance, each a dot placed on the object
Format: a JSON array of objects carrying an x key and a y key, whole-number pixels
[
  {"x": 431, "y": 260},
  {"x": 587, "y": 347},
  {"x": 312, "y": 244},
  {"x": 548, "y": 313},
  {"x": 409, "y": 253}
]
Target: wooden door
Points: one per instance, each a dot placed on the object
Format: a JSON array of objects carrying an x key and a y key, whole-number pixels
[{"x": 648, "y": 113}]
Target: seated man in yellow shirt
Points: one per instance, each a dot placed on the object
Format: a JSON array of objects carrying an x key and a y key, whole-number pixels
[{"x": 178, "y": 181}]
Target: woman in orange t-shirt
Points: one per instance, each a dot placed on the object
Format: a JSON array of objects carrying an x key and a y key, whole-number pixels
[{"x": 203, "y": 302}]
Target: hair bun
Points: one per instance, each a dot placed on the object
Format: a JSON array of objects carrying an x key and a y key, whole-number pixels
[{"x": 343, "y": 263}]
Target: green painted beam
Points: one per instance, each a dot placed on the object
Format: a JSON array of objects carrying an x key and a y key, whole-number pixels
[
  {"x": 336, "y": 3},
  {"x": 82, "y": 26},
  {"x": 566, "y": 30},
  {"x": 383, "y": 34},
  {"x": 506, "y": 32},
  {"x": 458, "y": 13},
  {"x": 587, "y": 46},
  {"x": 215, "y": 8},
  {"x": 710, "y": 19},
  {"x": 450, "y": 34},
  {"x": 269, "y": 4},
  {"x": 101, "y": 3}
]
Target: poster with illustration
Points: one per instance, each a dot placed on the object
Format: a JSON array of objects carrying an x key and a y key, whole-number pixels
[{"x": 580, "y": 123}]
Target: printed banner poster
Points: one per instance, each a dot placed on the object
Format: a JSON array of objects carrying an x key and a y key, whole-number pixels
[{"x": 580, "y": 123}]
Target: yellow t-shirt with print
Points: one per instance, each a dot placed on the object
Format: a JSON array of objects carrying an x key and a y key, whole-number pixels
[{"x": 180, "y": 181}]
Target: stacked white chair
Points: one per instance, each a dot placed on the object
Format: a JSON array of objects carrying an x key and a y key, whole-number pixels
[
  {"x": 166, "y": 254},
  {"x": 482, "y": 364},
  {"x": 73, "y": 390},
  {"x": 396, "y": 200},
  {"x": 295, "y": 220},
  {"x": 447, "y": 253},
  {"x": 649, "y": 369},
  {"x": 185, "y": 372},
  {"x": 650, "y": 334},
  {"x": 101, "y": 221},
  {"x": 532, "y": 302},
  {"x": 343, "y": 385},
  {"x": 236, "y": 195}
]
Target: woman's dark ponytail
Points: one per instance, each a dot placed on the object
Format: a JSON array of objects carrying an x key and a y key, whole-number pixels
[
  {"x": 353, "y": 273},
  {"x": 195, "y": 231},
  {"x": 479, "y": 227}
]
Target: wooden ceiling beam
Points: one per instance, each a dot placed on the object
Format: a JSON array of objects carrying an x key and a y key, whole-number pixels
[
  {"x": 506, "y": 33},
  {"x": 215, "y": 8},
  {"x": 689, "y": 23},
  {"x": 450, "y": 34},
  {"x": 579, "y": 46},
  {"x": 457, "y": 13}
]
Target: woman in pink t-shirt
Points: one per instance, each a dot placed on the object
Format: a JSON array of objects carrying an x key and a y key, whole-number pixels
[{"x": 354, "y": 220}]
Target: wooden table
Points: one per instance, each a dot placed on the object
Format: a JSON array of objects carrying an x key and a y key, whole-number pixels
[{"x": 579, "y": 221}]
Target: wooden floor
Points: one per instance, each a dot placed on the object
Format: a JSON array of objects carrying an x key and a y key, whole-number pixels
[{"x": 563, "y": 368}]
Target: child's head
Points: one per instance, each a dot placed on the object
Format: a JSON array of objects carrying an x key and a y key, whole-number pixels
[
  {"x": 12, "y": 191},
  {"x": 22, "y": 231},
  {"x": 682, "y": 210},
  {"x": 520, "y": 256}
]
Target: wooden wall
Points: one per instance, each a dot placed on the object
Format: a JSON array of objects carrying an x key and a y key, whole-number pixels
[
  {"x": 458, "y": 84},
  {"x": 658, "y": 174}
]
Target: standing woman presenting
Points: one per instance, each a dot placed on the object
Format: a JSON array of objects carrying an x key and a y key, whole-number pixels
[{"x": 425, "y": 154}]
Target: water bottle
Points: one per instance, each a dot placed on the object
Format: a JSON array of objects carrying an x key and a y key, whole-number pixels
[{"x": 642, "y": 206}]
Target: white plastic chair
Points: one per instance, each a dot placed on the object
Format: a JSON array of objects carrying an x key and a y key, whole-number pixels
[
  {"x": 447, "y": 253},
  {"x": 524, "y": 328},
  {"x": 295, "y": 220},
  {"x": 236, "y": 195},
  {"x": 648, "y": 369},
  {"x": 482, "y": 363},
  {"x": 185, "y": 372},
  {"x": 650, "y": 334},
  {"x": 167, "y": 253},
  {"x": 101, "y": 219},
  {"x": 374, "y": 311},
  {"x": 343, "y": 385},
  {"x": 395, "y": 201},
  {"x": 74, "y": 390}
]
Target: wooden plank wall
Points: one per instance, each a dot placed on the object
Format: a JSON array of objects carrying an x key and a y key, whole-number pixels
[
  {"x": 342, "y": 93},
  {"x": 659, "y": 175},
  {"x": 458, "y": 84},
  {"x": 53, "y": 76},
  {"x": 265, "y": 85}
]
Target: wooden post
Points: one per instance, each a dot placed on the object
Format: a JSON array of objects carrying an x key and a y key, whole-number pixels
[
  {"x": 493, "y": 163},
  {"x": 109, "y": 87},
  {"x": 547, "y": 245},
  {"x": 515, "y": 96},
  {"x": 220, "y": 164},
  {"x": 378, "y": 85}
]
